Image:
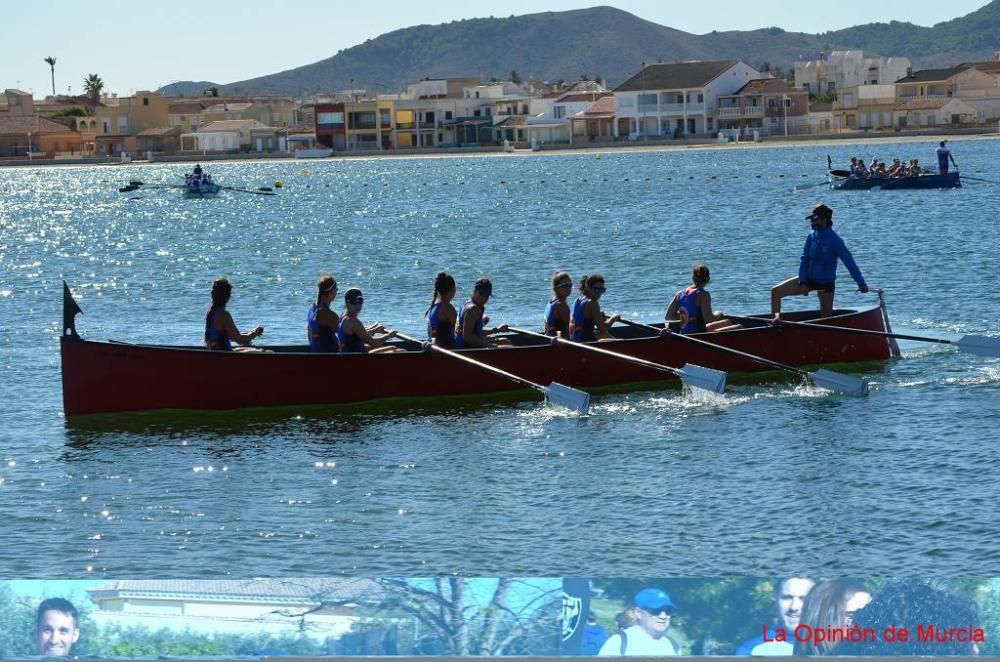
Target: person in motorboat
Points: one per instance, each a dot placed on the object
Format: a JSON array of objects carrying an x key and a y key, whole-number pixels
[
  {"x": 220, "y": 330},
  {"x": 556, "y": 319},
  {"x": 441, "y": 316},
  {"x": 692, "y": 306},
  {"x": 587, "y": 321},
  {"x": 470, "y": 329},
  {"x": 321, "y": 321},
  {"x": 353, "y": 336},
  {"x": 818, "y": 265}
]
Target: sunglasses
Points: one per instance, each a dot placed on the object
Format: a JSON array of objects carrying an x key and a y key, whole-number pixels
[
  {"x": 599, "y": 289},
  {"x": 658, "y": 611}
]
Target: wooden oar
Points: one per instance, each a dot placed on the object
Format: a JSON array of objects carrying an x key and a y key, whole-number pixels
[
  {"x": 555, "y": 393},
  {"x": 246, "y": 190},
  {"x": 978, "y": 345},
  {"x": 803, "y": 187},
  {"x": 691, "y": 375},
  {"x": 828, "y": 379}
]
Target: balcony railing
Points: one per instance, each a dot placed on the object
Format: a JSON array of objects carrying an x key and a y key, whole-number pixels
[
  {"x": 729, "y": 111},
  {"x": 648, "y": 107}
]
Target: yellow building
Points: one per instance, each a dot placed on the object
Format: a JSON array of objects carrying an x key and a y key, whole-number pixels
[
  {"x": 370, "y": 125},
  {"x": 118, "y": 126}
]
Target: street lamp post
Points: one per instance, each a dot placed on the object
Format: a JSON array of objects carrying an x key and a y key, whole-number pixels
[
  {"x": 642, "y": 122},
  {"x": 784, "y": 108}
]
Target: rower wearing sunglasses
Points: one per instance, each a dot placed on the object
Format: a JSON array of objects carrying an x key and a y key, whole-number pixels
[
  {"x": 470, "y": 331},
  {"x": 353, "y": 336},
  {"x": 588, "y": 322},
  {"x": 556, "y": 320}
]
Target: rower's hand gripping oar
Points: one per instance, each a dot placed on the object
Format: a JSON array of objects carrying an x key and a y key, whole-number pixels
[
  {"x": 828, "y": 379},
  {"x": 691, "y": 375},
  {"x": 555, "y": 393},
  {"x": 973, "y": 344}
]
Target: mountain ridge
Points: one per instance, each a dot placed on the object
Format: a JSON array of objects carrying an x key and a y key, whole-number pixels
[{"x": 600, "y": 41}]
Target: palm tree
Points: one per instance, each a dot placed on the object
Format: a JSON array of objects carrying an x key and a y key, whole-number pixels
[
  {"x": 93, "y": 86},
  {"x": 52, "y": 63}
]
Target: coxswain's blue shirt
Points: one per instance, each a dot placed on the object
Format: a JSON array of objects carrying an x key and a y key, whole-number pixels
[{"x": 819, "y": 258}]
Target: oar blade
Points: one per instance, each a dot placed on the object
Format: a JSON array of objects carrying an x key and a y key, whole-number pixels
[
  {"x": 836, "y": 381},
  {"x": 566, "y": 396},
  {"x": 708, "y": 379},
  {"x": 979, "y": 345}
]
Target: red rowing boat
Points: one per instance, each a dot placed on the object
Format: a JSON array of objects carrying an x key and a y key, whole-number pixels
[{"x": 100, "y": 377}]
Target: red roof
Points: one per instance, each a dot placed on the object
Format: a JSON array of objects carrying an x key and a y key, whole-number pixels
[{"x": 30, "y": 124}]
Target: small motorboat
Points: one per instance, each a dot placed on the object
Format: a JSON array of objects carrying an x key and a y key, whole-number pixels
[{"x": 200, "y": 185}]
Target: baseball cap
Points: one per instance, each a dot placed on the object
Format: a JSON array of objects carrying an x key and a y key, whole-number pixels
[
  {"x": 651, "y": 599},
  {"x": 820, "y": 211}
]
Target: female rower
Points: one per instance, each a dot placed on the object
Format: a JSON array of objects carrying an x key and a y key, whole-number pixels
[
  {"x": 353, "y": 336},
  {"x": 587, "y": 313},
  {"x": 220, "y": 330},
  {"x": 441, "y": 316},
  {"x": 469, "y": 331},
  {"x": 556, "y": 320},
  {"x": 692, "y": 306},
  {"x": 321, "y": 322}
]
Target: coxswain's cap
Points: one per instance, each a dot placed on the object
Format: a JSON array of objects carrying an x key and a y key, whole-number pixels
[{"x": 820, "y": 211}]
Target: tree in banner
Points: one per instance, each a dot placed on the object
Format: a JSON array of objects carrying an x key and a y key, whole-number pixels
[{"x": 455, "y": 616}]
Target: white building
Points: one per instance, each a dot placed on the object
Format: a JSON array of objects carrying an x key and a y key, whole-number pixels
[
  {"x": 847, "y": 69},
  {"x": 678, "y": 98},
  {"x": 243, "y": 606}
]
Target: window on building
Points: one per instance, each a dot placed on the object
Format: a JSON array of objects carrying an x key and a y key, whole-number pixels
[
  {"x": 429, "y": 117},
  {"x": 145, "y": 101},
  {"x": 788, "y": 102},
  {"x": 701, "y": 98},
  {"x": 831, "y": 86},
  {"x": 448, "y": 115},
  {"x": 559, "y": 112},
  {"x": 122, "y": 125},
  {"x": 805, "y": 86},
  {"x": 708, "y": 123},
  {"x": 476, "y": 113}
]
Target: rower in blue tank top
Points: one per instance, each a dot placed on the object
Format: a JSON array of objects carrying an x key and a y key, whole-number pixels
[
  {"x": 469, "y": 330},
  {"x": 441, "y": 316},
  {"x": 557, "y": 313},
  {"x": 220, "y": 330},
  {"x": 353, "y": 336},
  {"x": 322, "y": 323},
  {"x": 692, "y": 306},
  {"x": 588, "y": 323}
]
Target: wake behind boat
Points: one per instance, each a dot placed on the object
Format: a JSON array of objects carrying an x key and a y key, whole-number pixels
[{"x": 100, "y": 376}]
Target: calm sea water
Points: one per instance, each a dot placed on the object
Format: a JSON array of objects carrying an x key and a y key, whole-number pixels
[{"x": 772, "y": 478}]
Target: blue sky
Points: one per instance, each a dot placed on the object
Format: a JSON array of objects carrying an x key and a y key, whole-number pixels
[{"x": 141, "y": 45}]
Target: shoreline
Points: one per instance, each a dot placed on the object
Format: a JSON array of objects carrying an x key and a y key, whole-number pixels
[{"x": 818, "y": 140}]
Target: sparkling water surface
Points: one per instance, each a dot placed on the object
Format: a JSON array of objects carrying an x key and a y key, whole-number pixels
[{"x": 773, "y": 477}]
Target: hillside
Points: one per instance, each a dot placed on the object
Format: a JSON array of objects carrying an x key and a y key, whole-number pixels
[{"x": 601, "y": 41}]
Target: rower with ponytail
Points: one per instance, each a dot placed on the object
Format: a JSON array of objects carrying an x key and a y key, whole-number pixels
[{"x": 441, "y": 315}]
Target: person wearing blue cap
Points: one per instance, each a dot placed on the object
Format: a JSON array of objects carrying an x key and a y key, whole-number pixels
[
  {"x": 648, "y": 637},
  {"x": 469, "y": 331}
]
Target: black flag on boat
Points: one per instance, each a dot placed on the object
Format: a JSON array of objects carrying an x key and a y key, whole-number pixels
[{"x": 70, "y": 311}]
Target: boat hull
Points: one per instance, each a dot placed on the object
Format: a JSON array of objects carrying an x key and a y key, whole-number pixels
[
  {"x": 927, "y": 181},
  {"x": 102, "y": 377},
  {"x": 202, "y": 191}
]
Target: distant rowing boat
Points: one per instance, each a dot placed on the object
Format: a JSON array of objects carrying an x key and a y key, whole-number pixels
[
  {"x": 843, "y": 180},
  {"x": 198, "y": 185}
]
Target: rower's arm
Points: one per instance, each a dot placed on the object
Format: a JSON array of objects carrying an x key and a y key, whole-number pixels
[{"x": 469, "y": 337}]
